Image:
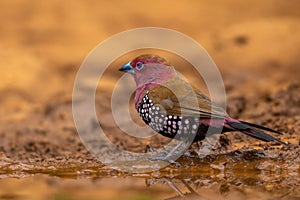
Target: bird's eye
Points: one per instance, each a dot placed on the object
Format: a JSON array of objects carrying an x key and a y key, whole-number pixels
[{"x": 139, "y": 65}]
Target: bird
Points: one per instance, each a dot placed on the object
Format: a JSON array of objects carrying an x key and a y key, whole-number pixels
[{"x": 168, "y": 104}]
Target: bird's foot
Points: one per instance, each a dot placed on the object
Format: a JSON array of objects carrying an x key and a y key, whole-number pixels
[{"x": 166, "y": 159}]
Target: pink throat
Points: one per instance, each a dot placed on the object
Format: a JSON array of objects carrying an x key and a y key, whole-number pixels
[{"x": 141, "y": 91}]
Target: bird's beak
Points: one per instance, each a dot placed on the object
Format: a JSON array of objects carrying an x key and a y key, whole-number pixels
[{"x": 127, "y": 68}]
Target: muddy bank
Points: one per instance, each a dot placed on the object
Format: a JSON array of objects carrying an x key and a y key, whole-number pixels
[{"x": 255, "y": 47}]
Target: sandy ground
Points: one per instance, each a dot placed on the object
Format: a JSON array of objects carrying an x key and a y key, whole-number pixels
[{"x": 255, "y": 45}]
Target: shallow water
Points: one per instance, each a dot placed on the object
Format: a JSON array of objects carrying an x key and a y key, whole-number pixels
[
  {"x": 236, "y": 175},
  {"x": 256, "y": 47}
]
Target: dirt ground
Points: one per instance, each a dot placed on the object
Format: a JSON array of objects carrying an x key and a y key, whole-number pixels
[{"x": 255, "y": 45}]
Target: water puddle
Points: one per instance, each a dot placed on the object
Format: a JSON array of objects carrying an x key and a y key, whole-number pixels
[{"x": 222, "y": 177}]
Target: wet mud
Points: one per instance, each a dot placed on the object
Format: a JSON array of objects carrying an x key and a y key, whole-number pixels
[{"x": 42, "y": 47}]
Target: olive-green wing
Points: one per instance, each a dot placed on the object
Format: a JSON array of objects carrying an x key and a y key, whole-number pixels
[{"x": 178, "y": 98}]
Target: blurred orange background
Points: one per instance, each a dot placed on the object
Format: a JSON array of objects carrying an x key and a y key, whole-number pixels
[
  {"x": 42, "y": 40},
  {"x": 255, "y": 44}
]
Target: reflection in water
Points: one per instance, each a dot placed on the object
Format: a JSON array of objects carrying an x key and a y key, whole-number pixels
[
  {"x": 247, "y": 174},
  {"x": 259, "y": 179},
  {"x": 170, "y": 182}
]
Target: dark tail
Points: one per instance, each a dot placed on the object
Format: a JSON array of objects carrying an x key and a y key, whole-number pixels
[
  {"x": 261, "y": 127},
  {"x": 253, "y": 130}
]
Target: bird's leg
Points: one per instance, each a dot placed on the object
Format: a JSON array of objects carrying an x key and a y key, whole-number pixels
[
  {"x": 168, "y": 157},
  {"x": 181, "y": 143}
]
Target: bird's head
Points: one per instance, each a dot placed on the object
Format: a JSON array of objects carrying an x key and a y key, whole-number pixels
[{"x": 149, "y": 68}]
